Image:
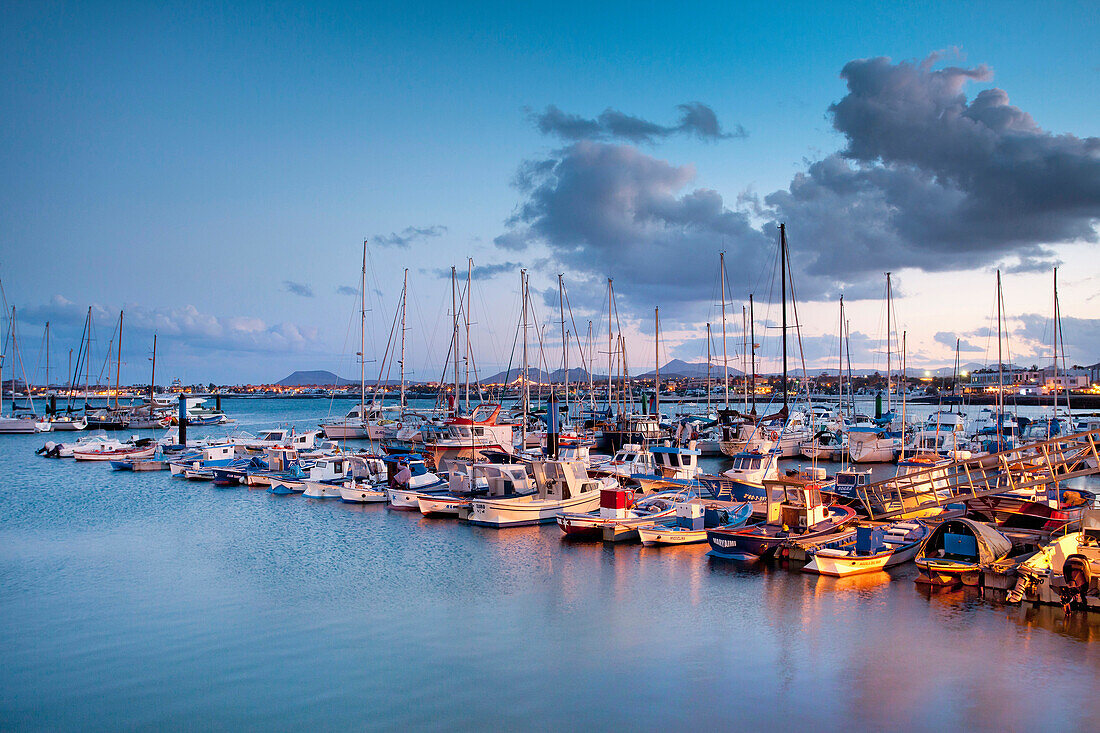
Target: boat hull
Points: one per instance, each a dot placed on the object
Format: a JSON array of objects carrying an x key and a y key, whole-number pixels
[
  {"x": 840, "y": 564},
  {"x": 527, "y": 511}
]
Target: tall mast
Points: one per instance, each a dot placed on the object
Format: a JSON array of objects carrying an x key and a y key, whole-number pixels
[
  {"x": 902, "y": 387},
  {"x": 725, "y": 357},
  {"x": 404, "y": 296},
  {"x": 118, "y": 364},
  {"x": 564, "y": 342},
  {"x": 363, "y": 335},
  {"x": 610, "y": 344},
  {"x": 11, "y": 327},
  {"x": 526, "y": 383},
  {"x": 1050, "y": 425},
  {"x": 469, "y": 280},
  {"x": 783, "y": 292},
  {"x": 888, "y": 365},
  {"x": 1000, "y": 366},
  {"x": 840, "y": 360},
  {"x": 752, "y": 346},
  {"x": 454, "y": 337},
  {"x": 657, "y": 362},
  {"x": 591, "y": 366},
  {"x": 708, "y": 369},
  {"x": 744, "y": 356},
  {"x": 152, "y": 376},
  {"x": 48, "y": 355}
]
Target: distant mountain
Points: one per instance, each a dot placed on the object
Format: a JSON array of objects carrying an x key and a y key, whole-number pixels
[
  {"x": 678, "y": 368},
  {"x": 576, "y": 375},
  {"x": 319, "y": 378}
]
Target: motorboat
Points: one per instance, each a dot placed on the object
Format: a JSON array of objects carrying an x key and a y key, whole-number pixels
[
  {"x": 686, "y": 529},
  {"x": 207, "y": 458},
  {"x": 478, "y": 480},
  {"x": 630, "y": 460},
  {"x": 325, "y": 478},
  {"x": 363, "y": 422},
  {"x": 957, "y": 550},
  {"x": 870, "y": 550},
  {"x": 366, "y": 484},
  {"x": 795, "y": 511},
  {"x": 468, "y": 438},
  {"x": 560, "y": 486},
  {"x": 142, "y": 448},
  {"x": 620, "y": 514},
  {"x": 744, "y": 480},
  {"x": 406, "y": 496},
  {"x": 1065, "y": 571},
  {"x": 676, "y": 467}
]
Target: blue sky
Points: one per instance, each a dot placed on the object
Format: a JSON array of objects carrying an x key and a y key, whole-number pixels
[{"x": 198, "y": 163}]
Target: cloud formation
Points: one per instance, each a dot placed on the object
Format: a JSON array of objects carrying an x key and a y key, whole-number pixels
[
  {"x": 948, "y": 339},
  {"x": 483, "y": 272},
  {"x": 926, "y": 179},
  {"x": 696, "y": 119},
  {"x": 346, "y": 290},
  {"x": 933, "y": 181},
  {"x": 408, "y": 236},
  {"x": 300, "y": 289}
]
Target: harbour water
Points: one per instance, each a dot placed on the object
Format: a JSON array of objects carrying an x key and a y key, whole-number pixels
[{"x": 137, "y": 601}]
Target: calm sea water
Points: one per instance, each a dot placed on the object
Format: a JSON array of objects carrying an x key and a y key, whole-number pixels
[{"x": 137, "y": 601}]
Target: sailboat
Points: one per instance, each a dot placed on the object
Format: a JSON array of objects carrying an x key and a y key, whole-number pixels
[
  {"x": 879, "y": 442},
  {"x": 362, "y": 421},
  {"x": 14, "y": 423}
]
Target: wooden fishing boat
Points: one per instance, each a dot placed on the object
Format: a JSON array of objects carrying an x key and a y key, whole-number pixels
[
  {"x": 559, "y": 486},
  {"x": 871, "y": 549},
  {"x": 144, "y": 448},
  {"x": 956, "y": 551},
  {"x": 678, "y": 532},
  {"x": 794, "y": 511},
  {"x": 619, "y": 515}
]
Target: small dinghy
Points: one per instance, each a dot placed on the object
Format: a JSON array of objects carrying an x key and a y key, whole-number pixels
[
  {"x": 794, "y": 512},
  {"x": 619, "y": 514},
  {"x": 689, "y": 527},
  {"x": 871, "y": 549},
  {"x": 957, "y": 550}
]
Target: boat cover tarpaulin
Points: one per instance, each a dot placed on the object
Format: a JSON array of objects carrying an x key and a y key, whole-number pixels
[{"x": 992, "y": 545}]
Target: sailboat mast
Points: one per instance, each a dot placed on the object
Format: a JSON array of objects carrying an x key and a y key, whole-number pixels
[
  {"x": 454, "y": 337},
  {"x": 564, "y": 342},
  {"x": 591, "y": 366},
  {"x": 888, "y": 364},
  {"x": 152, "y": 376},
  {"x": 657, "y": 362},
  {"x": 725, "y": 356},
  {"x": 783, "y": 293},
  {"x": 840, "y": 360},
  {"x": 363, "y": 335},
  {"x": 1055, "y": 415},
  {"x": 708, "y": 369},
  {"x": 469, "y": 280},
  {"x": 752, "y": 346},
  {"x": 404, "y": 301},
  {"x": 1000, "y": 366},
  {"x": 902, "y": 387},
  {"x": 744, "y": 357},
  {"x": 48, "y": 356},
  {"x": 118, "y": 364},
  {"x": 610, "y": 345}
]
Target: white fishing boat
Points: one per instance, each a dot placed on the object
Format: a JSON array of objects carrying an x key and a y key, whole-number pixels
[
  {"x": 407, "y": 495},
  {"x": 142, "y": 449},
  {"x": 632, "y": 459},
  {"x": 870, "y": 550},
  {"x": 744, "y": 480},
  {"x": 480, "y": 480},
  {"x": 559, "y": 486},
  {"x": 366, "y": 484},
  {"x": 279, "y": 437},
  {"x": 325, "y": 478},
  {"x": 470, "y": 438}
]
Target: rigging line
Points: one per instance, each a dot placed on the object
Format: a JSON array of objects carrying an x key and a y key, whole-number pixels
[{"x": 580, "y": 349}]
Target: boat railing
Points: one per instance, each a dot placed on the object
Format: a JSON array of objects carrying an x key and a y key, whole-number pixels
[{"x": 1025, "y": 467}]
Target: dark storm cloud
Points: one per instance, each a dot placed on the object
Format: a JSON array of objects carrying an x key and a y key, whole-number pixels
[
  {"x": 933, "y": 181},
  {"x": 408, "y": 235},
  {"x": 696, "y": 119},
  {"x": 948, "y": 339},
  {"x": 611, "y": 210},
  {"x": 927, "y": 179},
  {"x": 300, "y": 289}
]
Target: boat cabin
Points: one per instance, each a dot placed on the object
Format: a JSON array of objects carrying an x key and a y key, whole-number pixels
[
  {"x": 794, "y": 503},
  {"x": 561, "y": 480},
  {"x": 281, "y": 459},
  {"x": 676, "y": 463},
  {"x": 850, "y": 481},
  {"x": 324, "y": 469},
  {"x": 503, "y": 479},
  {"x": 633, "y": 458}
]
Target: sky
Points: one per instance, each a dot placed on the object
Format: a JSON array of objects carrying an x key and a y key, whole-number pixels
[{"x": 213, "y": 169}]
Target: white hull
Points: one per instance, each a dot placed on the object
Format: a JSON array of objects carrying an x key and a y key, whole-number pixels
[
  {"x": 403, "y": 498},
  {"x": 657, "y": 535},
  {"x": 363, "y": 494},
  {"x": 321, "y": 490},
  {"x": 528, "y": 509},
  {"x": 839, "y": 563},
  {"x": 353, "y": 431},
  {"x": 114, "y": 456},
  {"x": 17, "y": 425},
  {"x": 873, "y": 451},
  {"x": 441, "y": 505}
]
